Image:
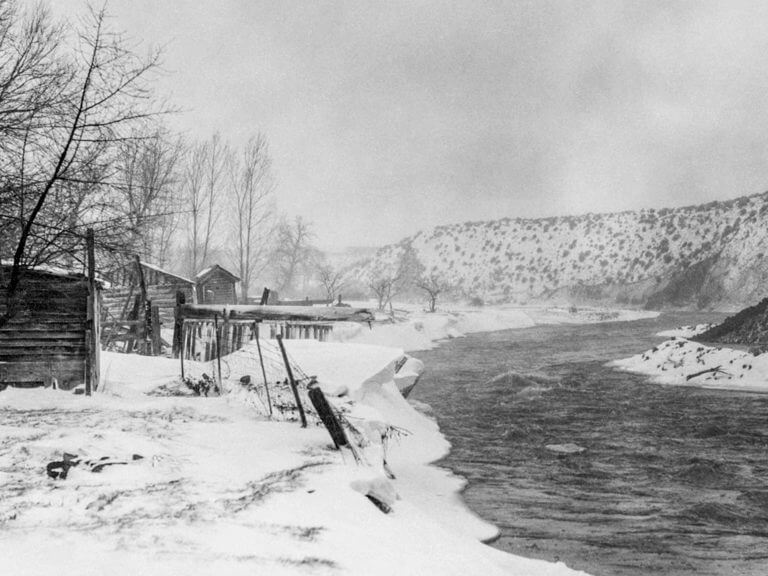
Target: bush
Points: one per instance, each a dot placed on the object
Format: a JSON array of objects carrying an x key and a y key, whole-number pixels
[{"x": 476, "y": 301}]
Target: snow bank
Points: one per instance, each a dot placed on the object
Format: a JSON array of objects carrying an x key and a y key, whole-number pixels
[
  {"x": 419, "y": 330},
  {"x": 220, "y": 489},
  {"x": 685, "y": 331},
  {"x": 413, "y": 329},
  {"x": 681, "y": 362}
]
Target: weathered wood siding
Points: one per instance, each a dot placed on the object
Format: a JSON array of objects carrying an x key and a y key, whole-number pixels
[
  {"x": 46, "y": 338},
  {"x": 161, "y": 295},
  {"x": 218, "y": 288}
]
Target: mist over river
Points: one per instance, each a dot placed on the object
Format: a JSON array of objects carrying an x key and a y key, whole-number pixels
[{"x": 672, "y": 480}]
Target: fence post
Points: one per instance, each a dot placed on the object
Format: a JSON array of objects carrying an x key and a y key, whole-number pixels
[
  {"x": 178, "y": 323},
  {"x": 141, "y": 328},
  {"x": 157, "y": 341},
  {"x": 218, "y": 346},
  {"x": 292, "y": 381},
  {"x": 183, "y": 347},
  {"x": 264, "y": 373},
  {"x": 91, "y": 338}
]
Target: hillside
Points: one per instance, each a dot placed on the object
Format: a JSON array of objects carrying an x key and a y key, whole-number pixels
[
  {"x": 709, "y": 256},
  {"x": 750, "y": 326}
]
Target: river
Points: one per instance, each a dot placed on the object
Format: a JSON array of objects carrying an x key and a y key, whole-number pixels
[{"x": 672, "y": 480}]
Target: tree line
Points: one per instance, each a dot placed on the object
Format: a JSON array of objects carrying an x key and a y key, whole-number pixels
[{"x": 84, "y": 143}]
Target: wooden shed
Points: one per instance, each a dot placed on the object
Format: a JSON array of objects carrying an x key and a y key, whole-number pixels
[
  {"x": 161, "y": 287},
  {"x": 215, "y": 285},
  {"x": 53, "y": 336}
]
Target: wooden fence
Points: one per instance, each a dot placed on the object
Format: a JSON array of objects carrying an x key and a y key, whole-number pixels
[{"x": 203, "y": 332}]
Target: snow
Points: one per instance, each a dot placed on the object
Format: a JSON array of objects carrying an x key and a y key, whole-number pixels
[
  {"x": 672, "y": 362},
  {"x": 167, "y": 273},
  {"x": 219, "y": 487},
  {"x": 685, "y": 331},
  {"x": 414, "y": 329}
]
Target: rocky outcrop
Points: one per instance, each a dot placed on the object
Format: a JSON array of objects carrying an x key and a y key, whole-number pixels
[{"x": 750, "y": 326}]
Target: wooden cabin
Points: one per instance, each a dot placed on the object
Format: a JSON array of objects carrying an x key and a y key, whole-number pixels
[
  {"x": 160, "y": 284},
  {"x": 215, "y": 285},
  {"x": 48, "y": 341}
]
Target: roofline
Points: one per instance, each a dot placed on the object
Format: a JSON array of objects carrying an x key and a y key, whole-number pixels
[
  {"x": 162, "y": 271},
  {"x": 200, "y": 276}
]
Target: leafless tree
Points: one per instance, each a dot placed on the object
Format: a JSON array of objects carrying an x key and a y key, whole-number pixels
[
  {"x": 433, "y": 285},
  {"x": 384, "y": 289},
  {"x": 252, "y": 186},
  {"x": 331, "y": 278},
  {"x": 147, "y": 191},
  {"x": 396, "y": 277},
  {"x": 202, "y": 192},
  {"x": 61, "y": 147},
  {"x": 293, "y": 252}
]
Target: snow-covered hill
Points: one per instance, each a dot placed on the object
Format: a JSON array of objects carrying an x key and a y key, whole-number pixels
[{"x": 706, "y": 256}]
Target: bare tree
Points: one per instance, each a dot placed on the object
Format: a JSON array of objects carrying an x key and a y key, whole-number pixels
[
  {"x": 396, "y": 277},
  {"x": 252, "y": 185},
  {"x": 148, "y": 192},
  {"x": 331, "y": 278},
  {"x": 293, "y": 252},
  {"x": 33, "y": 82},
  {"x": 433, "y": 285},
  {"x": 384, "y": 289},
  {"x": 65, "y": 142},
  {"x": 203, "y": 182}
]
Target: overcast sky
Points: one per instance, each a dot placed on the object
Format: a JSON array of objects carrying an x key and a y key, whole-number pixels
[{"x": 390, "y": 116}]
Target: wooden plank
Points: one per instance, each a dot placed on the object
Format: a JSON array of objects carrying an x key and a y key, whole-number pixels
[
  {"x": 123, "y": 323},
  {"x": 42, "y": 336},
  {"x": 37, "y": 343},
  {"x": 48, "y": 355},
  {"x": 43, "y": 325},
  {"x": 278, "y": 313},
  {"x": 68, "y": 374}
]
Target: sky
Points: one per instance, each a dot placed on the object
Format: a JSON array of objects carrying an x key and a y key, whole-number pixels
[{"x": 389, "y": 117}]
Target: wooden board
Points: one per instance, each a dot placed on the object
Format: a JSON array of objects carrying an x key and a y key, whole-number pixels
[{"x": 279, "y": 313}]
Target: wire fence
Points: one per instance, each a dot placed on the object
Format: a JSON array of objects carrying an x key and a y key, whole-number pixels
[{"x": 249, "y": 367}]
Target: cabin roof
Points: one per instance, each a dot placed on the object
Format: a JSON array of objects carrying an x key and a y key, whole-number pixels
[
  {"x": 49, "y": 270},
  {"x": 171, "y": 274},
  {"x": 203, "y": 275}
]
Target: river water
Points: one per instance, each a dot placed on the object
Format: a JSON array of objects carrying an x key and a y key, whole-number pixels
[{"x": 672, "y": 480}]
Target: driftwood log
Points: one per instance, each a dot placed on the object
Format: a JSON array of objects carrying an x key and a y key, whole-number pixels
[{"x": 715, "y": 370}]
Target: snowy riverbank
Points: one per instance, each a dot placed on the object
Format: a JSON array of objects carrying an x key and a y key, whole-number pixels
[
  {"x": 413, "y": 329},
  {"x": 220, "y": 488},
  {"x": 681, "y": 362}
]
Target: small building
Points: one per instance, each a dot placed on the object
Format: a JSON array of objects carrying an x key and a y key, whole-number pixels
[
  {"x": 215, "y": 285},
  {"x": 161, "y": 286},
  {"x": 50, "y": 338}
]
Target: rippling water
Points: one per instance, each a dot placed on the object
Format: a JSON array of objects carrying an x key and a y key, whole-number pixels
[{"x": 672, "y": 480}]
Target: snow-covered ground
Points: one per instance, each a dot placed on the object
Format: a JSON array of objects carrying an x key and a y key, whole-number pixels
[
  {"x": 221, "y": 488},
  {"x": 679, "y": 361},
  {"x": 210, "y": 485},
  {"x": 413, "y": 329},
  {"x": 685, "y": 331}
]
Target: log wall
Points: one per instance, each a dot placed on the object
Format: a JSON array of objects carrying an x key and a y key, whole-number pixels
[
  {"x": 46, "y": 338},
  {"x": 162, "y": 295}
]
